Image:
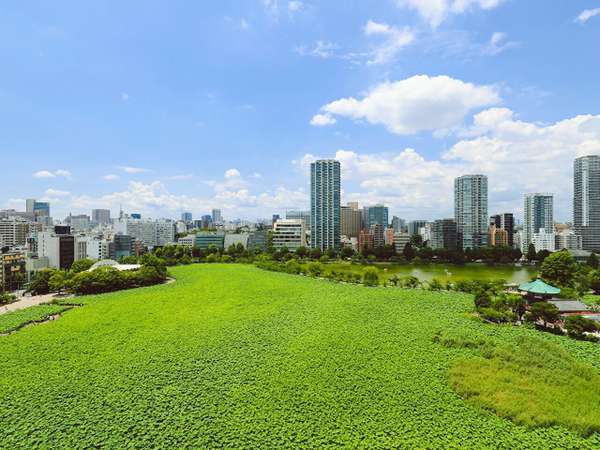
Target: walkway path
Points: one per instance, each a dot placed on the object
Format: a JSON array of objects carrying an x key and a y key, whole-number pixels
[{"x": 26, "y": 302}]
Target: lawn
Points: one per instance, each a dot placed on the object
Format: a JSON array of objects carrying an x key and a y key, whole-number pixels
[{"x": 232, "y": 356}]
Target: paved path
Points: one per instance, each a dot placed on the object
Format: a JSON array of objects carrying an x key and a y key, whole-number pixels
[{"x": 26, "y": 302}]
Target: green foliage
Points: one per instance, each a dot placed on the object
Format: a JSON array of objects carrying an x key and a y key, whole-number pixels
[
  {"x": 592, "y": 261},
  {"x": 40, "y": 283},
  {"x": 534, "y": 384},
  {"x": 435, "y": 285},
  {"x": 81, "y": 265},
  {"x": 370, "y": 277},
  {"x": 559, "y": 268},
  {"x": 230, "y": 356},
  {"x": 578, "y": 326},
  {"x": 543, "y": 311},
  {"x": 531, "y": 253},
  {"x": 14, "y": 320},
  {"x": 315, "y": 269},
  {"x": 6, "y": 298}
]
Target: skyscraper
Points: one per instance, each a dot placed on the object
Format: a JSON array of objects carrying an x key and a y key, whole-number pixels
[
  {"x": 216, "y": 217},
  {"x": 505, "y": 222},
  {"x": 415, "y": 225},
  {"x": 538, "y": 213},
  {"x": 586, "y": 201},
  {"x": 325, "y": 186},
  {"x": 187, "y": 217},
  {"x": 377, "y": 214},
  {"x": 350, "y": 220},
  {"x": 471, "y": 210},
  {"x": 101, "y": 216}
]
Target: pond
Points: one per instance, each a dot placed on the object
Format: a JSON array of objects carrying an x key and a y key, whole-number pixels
[{"x": 449, "y": 272}]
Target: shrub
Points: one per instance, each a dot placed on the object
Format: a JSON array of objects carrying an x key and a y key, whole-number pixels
[
  {"x": 435, "y": 285},
  {"x": 578, "y": 326},
  {"x": 7, "y": 298},
  {"x": 315, "y": 269},
  {"x": 482, "y": 299},
  {"x": 370, "y": 277},
  {"x": 292, "y": 266},
  {"x": 544, "y": 311},
  {"x": 494, "y": 315},
  {"x": 39, "y": 284}
]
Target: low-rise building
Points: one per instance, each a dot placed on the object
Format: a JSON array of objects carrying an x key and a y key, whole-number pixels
[
  {"x": 206, "y": 239},
  {"x": 14, "y": 274},
  {"x": 289, "y": 233},
  {"x": 235, "y": 239},
  {"x": 567, "y": 239},
  {"x": 543, "y": 240},
  {"x": 400, "y": 240}
]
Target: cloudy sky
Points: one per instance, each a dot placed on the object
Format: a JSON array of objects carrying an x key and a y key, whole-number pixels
[{"x": 166, "y": 106}]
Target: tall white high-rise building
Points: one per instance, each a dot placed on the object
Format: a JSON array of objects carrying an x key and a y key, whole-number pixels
[
  {"x": 325, "y": 193},
  {"x": 101, "y": 216},
  {"x": 471, "y": 210},
  {"x": 217, "y": 218},
  {"x": 586, "y": 201},
  {"x": 538, "y": 213}
]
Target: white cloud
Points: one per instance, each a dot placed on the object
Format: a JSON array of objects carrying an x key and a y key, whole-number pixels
[
  {"x": 416, "y": 104},
  {"x": 295, "y": 6},
  {"x": 232, "y": 173},
  {"x": 322, "y": 49},
  {"x": 437, "y": 11},
  {"x": 516, "y": 155},
  {"x": 180, "y": 177},
  {"x": 244, "y": 25},
  {"x": 110, "y": 177},
  {"x": 498, "y": 43},
  {"x": 56, "y": 193},
  {"x": 124, "y": 96},
  {"x": 44, "y": 174},
  {"x": 48, "y": 174},
  {"x": 129, "y": 169},
  {"x": 322, "y": 120},
  {"x": 395, "y": 40},
  {"x": 587, "y": 14}
]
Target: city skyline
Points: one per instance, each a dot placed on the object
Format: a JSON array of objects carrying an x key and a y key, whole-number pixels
[{"x": 152, "y": 130}]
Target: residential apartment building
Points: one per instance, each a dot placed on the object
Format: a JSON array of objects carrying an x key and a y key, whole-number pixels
[
  {"x": 497, "y": 237},
  {"x": 586, "y": 201},
  {"x": 568, "y": 239},
  {"x": 544, "y": 240},
  {"x": 538, "y": 214},
  {"x": 377, "y": 231},
  {"x": 365, "y": 241},
  {"x": 13, "y": 232},
  {"x": 471, "y": 210},
  {"x": 151, "y": 233},
  {"x": 325, "y": 192},
  {"x": 13, "y": 273},
  {"x": 400, "y": 240}
]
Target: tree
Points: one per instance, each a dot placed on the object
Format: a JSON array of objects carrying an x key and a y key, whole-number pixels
[
  {"x": 435, "y": 285},
  {"x": 592, "y": 261},
  {"x": 370, "y": 277},
  {"x": 531, "y": 253},
  {"x": 559, "y": 268},
  {"x": 544, "y": 311},
  {"x": 542, "y": 255},
  {"x": 409, "y": 252},
  {"x": 346, "y": 252},
  {"x": 81, "y": 265},
  {"x": 594, "y": 281},
  {"x": 577, "y": 326},
  {"x": 58, "y": 281},
  {"x": 39, "y": 284},
  {"x": 416, "y": 240},
  {"x": 302, "y": 252}
]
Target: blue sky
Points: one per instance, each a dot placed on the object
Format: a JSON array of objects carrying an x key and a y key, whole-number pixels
[{"x": 165, "y": 106}]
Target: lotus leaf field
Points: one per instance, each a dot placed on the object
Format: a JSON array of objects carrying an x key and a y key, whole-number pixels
[{"x": 232, "y": 356}]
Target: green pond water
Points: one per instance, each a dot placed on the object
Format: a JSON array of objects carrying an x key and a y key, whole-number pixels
[{"x": 444, "y": 272}]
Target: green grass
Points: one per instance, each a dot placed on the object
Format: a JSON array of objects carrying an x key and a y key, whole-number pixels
[
  {"x": 14, "y": 320},
  {"x": 535, "y": 383},
  {"x": 232, "y": 356}
]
